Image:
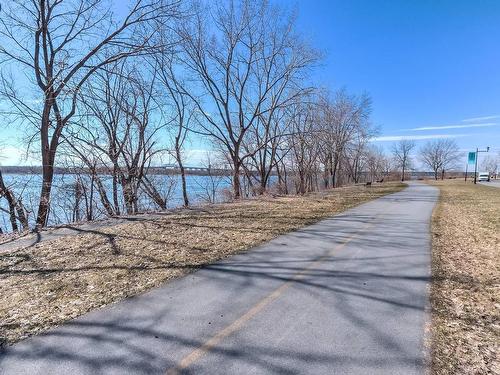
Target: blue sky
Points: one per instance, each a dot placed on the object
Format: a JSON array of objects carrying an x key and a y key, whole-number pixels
[
  {"x": 431, "y": 67},
  {"x": 428, "y": 65}
]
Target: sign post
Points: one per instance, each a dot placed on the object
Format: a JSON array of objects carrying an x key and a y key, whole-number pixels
[
  {"x": 475, "y": 160},
  {"x": 471, "y": 159}
]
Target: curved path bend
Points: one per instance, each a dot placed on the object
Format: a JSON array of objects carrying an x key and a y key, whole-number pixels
[
  {"x": 492, "y": 183},
  {"x": 347, "y": 295}
]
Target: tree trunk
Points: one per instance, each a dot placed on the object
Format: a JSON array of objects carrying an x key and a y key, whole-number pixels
[
  {"x": 183, "y": 176},
  {"x": 78, "y": 198},
  {"x": 21, "y": 215},
  {"x": 285, "y": 179},
  {"x": 333, "y": 171},
  {"x": 327, "y": 172},
  {"x": 302, "y": 183},
  {"x": 236, "y": 178},
  {"x": 263, "y": 181},
  {"x": 90, "y": 211},
  {"x": 333, "y": 175},
  {"x": 116, "y": 202},
  {"x": 47, "y": 178},
  {"x": 154, "y": 194},
  {"x": 128, "y": 196},
  {"x": 101, "y": 190},
  {"x": 14, "y": 206},
  {"x": 236, "y": 183},
  {"x": 12, "y": 211},
  {"x": 48, "y": 149}
]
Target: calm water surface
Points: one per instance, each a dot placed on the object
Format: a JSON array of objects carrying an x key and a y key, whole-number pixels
[{"x": 63, "y": 195}]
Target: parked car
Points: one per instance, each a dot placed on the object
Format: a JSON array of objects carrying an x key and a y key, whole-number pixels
[{"x": 484, "y": 176}]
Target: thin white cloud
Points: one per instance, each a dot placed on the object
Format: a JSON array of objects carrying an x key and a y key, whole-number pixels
[
  {"x": 392, "y": 138},
  {"x": 462, "y": 126},
  {"x": 484, "y": 118},
  {"x": 11, "y": 155}
]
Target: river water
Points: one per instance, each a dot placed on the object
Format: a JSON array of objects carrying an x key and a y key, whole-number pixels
[{"x": 201, "y": 189}]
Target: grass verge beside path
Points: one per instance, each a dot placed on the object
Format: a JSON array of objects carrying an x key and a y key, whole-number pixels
[
  {"x": 465, "y": 293},
  {"x": 57, "y": 280}
]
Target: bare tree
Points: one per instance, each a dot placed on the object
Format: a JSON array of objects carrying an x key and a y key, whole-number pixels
[
  {"x": 303, "y": 144},
  {"x": 439, "y": 155},
  {"x": 450, "y": 154},
  {"x": 344, "y": 119},
  {"x": 355, "y": 156},
  {"x": 490, "y": 164},
  {"x": 401, "y": 152},
  {"x": 263, "y": 144},
  {"x": 211, "y": 188},
  {"x": 245, "y": 67},
  {"x": 167, "y": 66},
  {"x": 119, "y": 134},
  {"x": 60, "y": 45},
  {"x": 376, "y": 163},
  {"x": 430, "y": 157}
]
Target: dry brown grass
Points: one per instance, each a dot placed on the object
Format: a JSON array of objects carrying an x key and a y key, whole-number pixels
[
  {"x": 57, "y": 280},
  {"x": 465, "y": 294}
]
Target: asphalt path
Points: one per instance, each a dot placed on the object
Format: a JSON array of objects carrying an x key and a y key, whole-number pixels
[
  {"x": 492, "y": 183},
  {"x": 348, "y": 295}
]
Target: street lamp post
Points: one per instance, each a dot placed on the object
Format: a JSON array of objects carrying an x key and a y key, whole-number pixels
[{"x": 475, "y": 166}]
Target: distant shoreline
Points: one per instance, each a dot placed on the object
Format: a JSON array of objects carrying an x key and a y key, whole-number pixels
[
  {"x": 170, "y": 170},
  {"x": 173, "y": 170}
]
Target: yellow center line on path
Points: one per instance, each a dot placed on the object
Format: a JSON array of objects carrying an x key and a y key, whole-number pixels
[{"x": 196, "y": 354}]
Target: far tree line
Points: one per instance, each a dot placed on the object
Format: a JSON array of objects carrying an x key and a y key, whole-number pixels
[{"x": 100, "y": 92}]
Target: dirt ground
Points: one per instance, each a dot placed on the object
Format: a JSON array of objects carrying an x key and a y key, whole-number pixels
[
  {"x": 465, "y": 293},
  {"x": 56, "y": 280}
]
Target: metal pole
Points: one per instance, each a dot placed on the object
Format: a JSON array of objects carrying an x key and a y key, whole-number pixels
[
  {"x": 466, "y": 170},
  {"x": 475, "y": 166}
]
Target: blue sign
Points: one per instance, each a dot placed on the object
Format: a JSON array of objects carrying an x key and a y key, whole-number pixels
[{"x": 472, "y": 157}]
